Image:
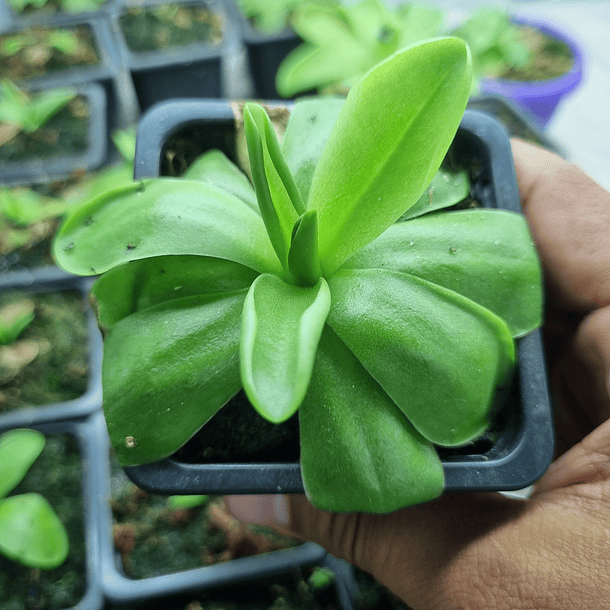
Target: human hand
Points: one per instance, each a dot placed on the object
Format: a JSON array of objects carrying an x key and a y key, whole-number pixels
[{"x": 486, "y": 551}]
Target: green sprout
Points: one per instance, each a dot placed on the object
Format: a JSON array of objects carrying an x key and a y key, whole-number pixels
[
  {"x": 341, "y": 43},
  {"x": 389, "y": 338},
  {"x": 14, "y": 319},
  {"x": 31, "y": 533}
]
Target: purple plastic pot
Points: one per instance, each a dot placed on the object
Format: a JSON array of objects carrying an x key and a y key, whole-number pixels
[{"x": 540, "y": 98}]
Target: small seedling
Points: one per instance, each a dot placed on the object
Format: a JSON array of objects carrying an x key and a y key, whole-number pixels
[
  {"x": 187, "y": 501},
  {"x": 31, "y": 533},
  {"x": 270, "y": 16},
  {"x": 14, "y": 319},
  {"x": 344, "y": 42},
  {"x": 29, "y": 112},
  {"x": 68, "y": 6}
]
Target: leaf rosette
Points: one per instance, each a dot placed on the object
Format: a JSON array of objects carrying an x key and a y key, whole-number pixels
[{"x": 388, "y": 337}]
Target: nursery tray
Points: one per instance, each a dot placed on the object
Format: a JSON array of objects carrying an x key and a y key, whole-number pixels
[{"x": 521, "y": 447}]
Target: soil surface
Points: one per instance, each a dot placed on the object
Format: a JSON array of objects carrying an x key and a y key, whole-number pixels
[
  {"x": 59, "y": 371},
  {"x": 550, "y": 58},
  {"x": 65, "y": 134},
  {"x": 57, "y": 475},
  {"x": 169, "y": 25},
  {"x": 41, "y": 55}
]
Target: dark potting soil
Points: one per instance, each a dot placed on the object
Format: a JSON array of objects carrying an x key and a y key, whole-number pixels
[
  {"x": 169, "y": 25},
  {"x": 550, "y": 57},
  {"x": 60, "y": 370},
  {"x": 63, "y": 135},
  {"x": 44, "y": 52},
  {"x": 153, "y": 537},
  {"x": 57, "y": 475}
]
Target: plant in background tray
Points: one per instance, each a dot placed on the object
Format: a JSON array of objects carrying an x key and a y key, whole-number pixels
[
  {"x": 30, "y": 530},
  {"x": 272, "y": 16},
  {"x": 68, "y": 6},
  {"x": 388, "y": 338},
  {"x": 341, "y": 43}
]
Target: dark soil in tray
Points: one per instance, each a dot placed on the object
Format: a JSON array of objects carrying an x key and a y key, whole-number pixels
[
  {"x": 64, "y": 134},
  {"x": 43, "y": 50},
  {"x": 169, "y": 25},
  {"x": 155, "y": 537},
  {"x": 59, "y": 371},
  {"x": 57, "y": 475}
]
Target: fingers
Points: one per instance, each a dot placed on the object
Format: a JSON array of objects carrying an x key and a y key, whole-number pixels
[{"x": 569, "y": 216}]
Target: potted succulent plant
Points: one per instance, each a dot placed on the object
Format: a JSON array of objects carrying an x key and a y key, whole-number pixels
[
  {"x": 48, "y": 520},
  {"x": 302, "y": 291},
  {"x": 51, "y": 133},
  {"x": 529, "y": 62}
]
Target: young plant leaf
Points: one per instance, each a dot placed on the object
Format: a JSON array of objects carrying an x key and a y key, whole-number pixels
[
  {"x": 485, "y": 255},
  {"x": 278, "y": 198},
  {"x": 438, "y": 355},
  {"x": 158, "y": 217},
  {"x": 167, "y": 369},
  {"x": 19, "y": 449},
  {"x": 31, "y": 532},
  {"x": 215, "y": 169},
  {"x": 358, "y": 450},
  {"x": 372, "y": 170},
  {"x": 137, "y": 285},
  {"x": 281, "y": 327},
  {"x": 303, "y": 144},
  {"x": 303, "y": 261}
]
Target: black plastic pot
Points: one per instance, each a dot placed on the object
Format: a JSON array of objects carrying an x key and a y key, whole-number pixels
[
  {"x": 194, "y": 70},
  {"x": 517, "y": 122},
  {"x": 84, "y": 432},
  {"x": 121, "y": 107},
  {"x": 61, "y": 166},
  {"x": 523, "y": 448},
  {"x": 51, "y": 279}
]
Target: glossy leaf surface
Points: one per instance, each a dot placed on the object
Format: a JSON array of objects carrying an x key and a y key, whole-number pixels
[
  {"x": 215, "y": 169},
  {"x": 31, "y": 532},
  {"x": 438, "y": 355},
  {"x": 167, "y": 369},
  {"x": 485, "y": 255},
  {"x": 372, "y": 171},
  {"x": 358, "y": 450},
  {"x": 19, "y": 449},
  {"x": 281, "y": 327},
  {"x": 137, "y": 285},
  {"x": 162, "y": 216},
  {"x": 303, "y": 145}
]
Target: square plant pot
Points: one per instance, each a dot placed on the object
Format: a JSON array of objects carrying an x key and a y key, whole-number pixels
[
  {"x": 520, "y": 447},
  {"x": 53, "y": 9},
  {"x": 155, "y": 589},
  {"x": 97, "y": 61},
  {"x": 47, "y": 389},
  {"x": 164, "y": 65},
  {"x": 63, "y": 474},
  {"x": 86, "y": 147}
]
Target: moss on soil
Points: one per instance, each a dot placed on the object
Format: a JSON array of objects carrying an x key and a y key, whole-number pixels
[
  {"x": 169, "y": 25},
  {"x": 57, "y": 475},
  {"x": 39, "y": 58},
  {"x": 63, "y": 135},
  {"x": 59, "y": 372}
]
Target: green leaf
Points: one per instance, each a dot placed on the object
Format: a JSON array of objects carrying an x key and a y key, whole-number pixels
[
  {"x": 31, "y": 532},
  {"x": 485, "y": 255},
  {"x": 15, "y": 317},
  {"x": 278, "y": 198},
  {"x": 158, "y": 217},
  {"x": 19, "y": 449},
  {"x": 215, "y": 169},
  {"x": 438, "y": 355},
  {"x": 303, "y": 261},
  {"x": 44, "y": 106},
  {"x": 358, "y": 450},
  {"x": 140, "y": 284},
  {"x": 24, "y": 206},
  {"x": 448, "y": 187},
  {"x": 166, "y": 370},
  {"x": 281, "y": 327},
  {"x": 418, "y": 22},
  {"x": 311, "y": 122},
  {"x": 386, "y": 147},
  {"x": 187, "y": 501}
]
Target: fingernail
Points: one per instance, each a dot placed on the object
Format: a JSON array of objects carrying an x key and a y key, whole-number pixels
[{"x": 259, "y": 510}]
